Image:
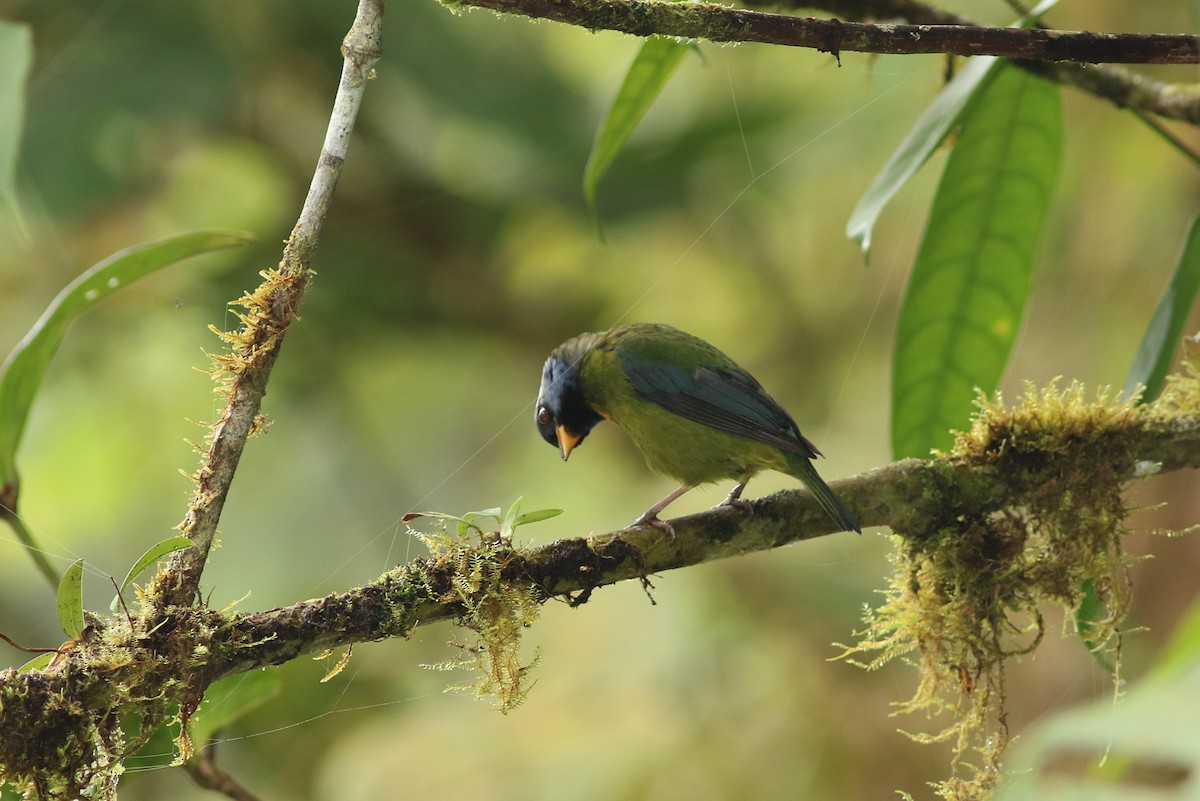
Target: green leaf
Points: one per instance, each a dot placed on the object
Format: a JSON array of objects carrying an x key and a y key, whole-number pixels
[
  {"x": 1153, "y": 358},
  {"x": 21, "y": 374},
  {"x": 37, "y": 663},
  {"x": 537, "y": 517},
  {"x": 70, "y": 601},
  {"x": 653, "y": 66},
  {"x": 16, "y": 54},
  {"x": 510, "y": 517},
  {"x": 924, "y": 137},
  {"x": 1146, "y": 747},
  {"x": 231, "y": 698},
  {"x": 972, "y": 275},
  {"x": 152, "y": 555},
  {"x": 1090, "y": 612},
  {"x": 1183, "y": 649}
]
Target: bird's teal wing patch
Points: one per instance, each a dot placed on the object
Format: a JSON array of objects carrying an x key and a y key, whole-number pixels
[{"x": 727, "y": 399}]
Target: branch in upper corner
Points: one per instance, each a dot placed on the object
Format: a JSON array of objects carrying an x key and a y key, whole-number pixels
[
  {"x": 717, "y": 23},
  {"x": 1061, "y": 56},
  {"x": 1120, "y": 86}
]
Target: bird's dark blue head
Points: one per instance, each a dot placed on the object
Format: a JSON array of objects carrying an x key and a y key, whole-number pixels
[{"x": 562, "y": 414}]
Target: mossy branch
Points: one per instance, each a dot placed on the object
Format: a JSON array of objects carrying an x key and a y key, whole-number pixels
[
  {"x": 243, "y": 371},
  {"x": 1078, "y": 58},
  {"x": 916, "y": 498},
  {"x": 1035, "y": 462}
]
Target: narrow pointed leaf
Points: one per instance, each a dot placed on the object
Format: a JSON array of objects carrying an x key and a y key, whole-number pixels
[
  {"x": 70, "y": 601},
  {"x": 1087, "y": 617},
  {"x": 1153, "y": 358},
  {"x": 37, "y": 663},
  {"x": 537, "y": 517},
  {"x": 926, "y": 135},
  {"x": 971, "y": 279},
  {"x": 509, "y": 522},
  {"x": 653, "y": 66},
  {"x": 152, "y": 555},
  {"x": 920, "y": 142},
  {"x": 21, "y": 374},
  {"x": 16, "y": 54},
  {"x": 513, "y": 510}
]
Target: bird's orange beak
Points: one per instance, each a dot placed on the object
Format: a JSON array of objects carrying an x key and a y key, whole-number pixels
[{"x": 566, "y": 441}]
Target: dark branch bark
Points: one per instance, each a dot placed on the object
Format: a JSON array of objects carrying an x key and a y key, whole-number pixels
[
  {"x": 722, "y": 24},
  {"x": 1078, "y": 58},
  {"x": 1120, "y": 86}
]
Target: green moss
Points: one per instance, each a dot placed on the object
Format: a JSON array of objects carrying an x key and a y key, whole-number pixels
[
  {"x": 493, "y": 610},
  {"x": 966, "y": 597}
]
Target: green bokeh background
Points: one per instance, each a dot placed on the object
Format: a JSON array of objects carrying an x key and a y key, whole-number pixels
[{"x": 457, "y": 254}]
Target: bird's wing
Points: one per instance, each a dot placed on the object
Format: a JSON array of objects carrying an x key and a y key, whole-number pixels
[{"x": 726, "y": 398}]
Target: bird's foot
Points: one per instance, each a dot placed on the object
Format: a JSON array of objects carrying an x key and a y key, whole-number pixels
[
  {"x": 738, "y": 503},
  {"x": 650, "y": 518},
  {"x": 735, "y": 499}
]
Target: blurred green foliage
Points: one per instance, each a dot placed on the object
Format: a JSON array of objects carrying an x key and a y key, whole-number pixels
[{"x": 459, "y": 251}]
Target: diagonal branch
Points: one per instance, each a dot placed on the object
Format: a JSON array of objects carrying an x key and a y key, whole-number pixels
[
  {"x": 1079, "y": 58},
  {"x": 270, "y": 309}
]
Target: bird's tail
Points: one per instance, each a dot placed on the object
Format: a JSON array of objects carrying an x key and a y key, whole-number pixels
[{"x": 802, "y": 468}]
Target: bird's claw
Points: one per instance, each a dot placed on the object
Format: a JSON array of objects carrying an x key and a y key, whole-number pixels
[
  {"x": 649, "y": 519},
  {"x": 735, "y": 499},
  {"x": 738, "y": 503}
]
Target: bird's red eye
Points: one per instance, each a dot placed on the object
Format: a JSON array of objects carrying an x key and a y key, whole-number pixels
[{"x": 543, "y": 415}]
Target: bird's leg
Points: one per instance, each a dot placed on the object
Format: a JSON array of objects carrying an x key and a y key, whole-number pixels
[
  {"x": 650, "y": 516},
  {"x": 734, "y": 498}
]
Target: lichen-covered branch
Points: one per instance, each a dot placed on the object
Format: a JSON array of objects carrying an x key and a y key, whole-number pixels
[
  {"x": 1005, "y": 459},
  {"x": 1079, "y": 58},
  {"x": 243, "y": 371},
  {"x": 1054, "y": 462}
]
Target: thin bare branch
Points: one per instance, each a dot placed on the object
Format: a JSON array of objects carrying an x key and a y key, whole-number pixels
[{"x": 269, "y": 310}]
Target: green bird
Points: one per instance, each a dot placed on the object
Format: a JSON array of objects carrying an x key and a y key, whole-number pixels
[{"x": 691, "y": 410}]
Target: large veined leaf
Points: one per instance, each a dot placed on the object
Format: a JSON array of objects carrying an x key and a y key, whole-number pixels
[
  {"x": 1166, "y": 327},
  {"x": 969, "y": 285},
  {"x": 925, "y": 136},
  {"x": 16, "y": 54},
  {"x": 231, "y": 698},
  {"x": 653, "y": 66},
  {"x": 21, "y": 374}
]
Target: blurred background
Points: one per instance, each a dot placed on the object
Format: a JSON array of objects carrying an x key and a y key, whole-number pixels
[{"x": 458, "y": 253}]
